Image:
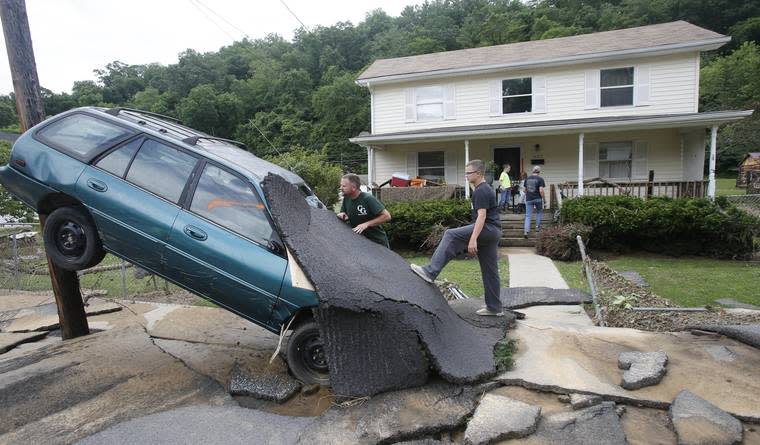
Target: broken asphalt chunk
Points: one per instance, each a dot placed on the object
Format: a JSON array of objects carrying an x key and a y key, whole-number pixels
[
  {"x": 699, "y": 422},
  {"x": 642, "y": 368},
  {"x": 598, "y": 425},
  {"x": 520, "y": 297},
  {"x": 269, "y": 383},
  {"x": 501, "y": 418}
]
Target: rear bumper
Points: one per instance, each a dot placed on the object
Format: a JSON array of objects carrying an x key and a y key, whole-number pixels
[{"x": 26, "y": 189}]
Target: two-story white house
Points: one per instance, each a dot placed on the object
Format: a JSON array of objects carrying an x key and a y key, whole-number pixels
[{"x": 615, "y": 105}]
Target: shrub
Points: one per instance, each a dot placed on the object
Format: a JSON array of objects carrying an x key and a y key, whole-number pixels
[
  {"x": 559, "y": 242},
  {"x": 671, "y": 226},
  {"x": 322, "y": 176},
  {"x": 412, "y": 222}
]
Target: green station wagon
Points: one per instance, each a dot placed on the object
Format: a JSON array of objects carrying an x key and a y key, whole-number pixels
[{"x": 177, "y": 202}]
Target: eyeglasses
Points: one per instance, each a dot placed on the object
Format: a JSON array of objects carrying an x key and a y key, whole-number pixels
[{"x": 469, "y": 173}]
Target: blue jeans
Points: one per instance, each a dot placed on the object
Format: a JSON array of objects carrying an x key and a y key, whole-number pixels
[
  {"x": 506, "y": 195},
  {"x": 539, "y": 204}
]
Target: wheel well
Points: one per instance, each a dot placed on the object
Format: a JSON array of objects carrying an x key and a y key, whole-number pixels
[
  {"x": 302, "y": 316},
  {"x": 56, "y": 200}
]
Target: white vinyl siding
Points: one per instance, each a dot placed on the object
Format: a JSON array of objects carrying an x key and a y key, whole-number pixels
[{"x": 672, "y": 90}]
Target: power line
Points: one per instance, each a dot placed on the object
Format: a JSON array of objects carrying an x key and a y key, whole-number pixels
[
  {"x": 225, "y": 20},
  {"x": 211, "y": 20},
  {"x": 294, "y": 15}
]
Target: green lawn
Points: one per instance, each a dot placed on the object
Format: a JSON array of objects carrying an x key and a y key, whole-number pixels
[
  {"x": 685, "y": 281},
  {"x": 466, "y": 273},
  {"x": 727, "y": 186}
]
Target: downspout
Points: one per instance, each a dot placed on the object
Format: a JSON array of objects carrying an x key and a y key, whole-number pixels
[
  {"x": 466, "y": 161},
  {"x": 580, "y": 163},
  {"x": 713, "y": 153}
]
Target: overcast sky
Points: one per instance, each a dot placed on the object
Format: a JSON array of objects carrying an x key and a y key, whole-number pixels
[{"x": 71, "y": 38}]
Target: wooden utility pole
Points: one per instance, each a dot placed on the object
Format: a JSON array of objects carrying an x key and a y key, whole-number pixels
[{"x": 18, "y": 42}]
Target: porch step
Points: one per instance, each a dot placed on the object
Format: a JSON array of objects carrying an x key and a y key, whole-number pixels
[
  {"x": 517, "y": 242},
  {"x": 518, "y": 233}
]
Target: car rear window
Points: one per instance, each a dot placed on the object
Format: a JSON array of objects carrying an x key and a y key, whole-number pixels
[{"x": 82, "y": 136}]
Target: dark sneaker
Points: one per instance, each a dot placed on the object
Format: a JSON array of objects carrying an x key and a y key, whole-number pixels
[
  {"x": 421, "y": 273},
  {"x": 525, "y": 236},
  {"x": 488, "y": 313}
]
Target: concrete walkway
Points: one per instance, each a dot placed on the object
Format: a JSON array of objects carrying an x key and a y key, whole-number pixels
[{"x": 526, "y": 269}]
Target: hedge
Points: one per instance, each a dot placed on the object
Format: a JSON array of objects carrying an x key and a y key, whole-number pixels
[
  {"x": 684, "y": 226},
  {"x": 412, "y": 222}
]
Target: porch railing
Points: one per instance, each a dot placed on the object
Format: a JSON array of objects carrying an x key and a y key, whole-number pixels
[{"x": 640, "y": 189}]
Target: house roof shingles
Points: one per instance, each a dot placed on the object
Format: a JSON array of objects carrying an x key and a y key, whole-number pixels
[{"x": 539, "y": 51}]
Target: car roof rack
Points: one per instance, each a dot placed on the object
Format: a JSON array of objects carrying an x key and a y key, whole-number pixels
[
  {"x": 117, "y": 110},
  {"x": 193, "y": 140}
]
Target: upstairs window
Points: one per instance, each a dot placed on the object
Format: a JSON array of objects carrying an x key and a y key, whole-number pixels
[
  {"x": 429, "y": 103},
  {"x": 517, "y": 95},
  {"x": 616, "y": 87}
]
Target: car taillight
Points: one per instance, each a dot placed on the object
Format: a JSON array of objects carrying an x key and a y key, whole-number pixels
[{"x": 21, "y": 162}]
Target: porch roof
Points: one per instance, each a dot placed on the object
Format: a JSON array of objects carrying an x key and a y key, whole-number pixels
[{"x": 547, "y": 127}]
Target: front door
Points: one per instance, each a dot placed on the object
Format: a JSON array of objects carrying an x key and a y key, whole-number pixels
[{"x": 507, "y": 155}]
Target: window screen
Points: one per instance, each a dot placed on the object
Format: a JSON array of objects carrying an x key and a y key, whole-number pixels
[
  {"x": 229, "y": 201},
  {"x": 616, "y": 87},
  {"x": 431, "y": 164},
  {"x": 517, "y": 96},
  {"x": 82, "y": 136},
  {"x": 161, "y": 169}
]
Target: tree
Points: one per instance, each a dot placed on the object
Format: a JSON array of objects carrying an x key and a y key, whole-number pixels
[
  {"x": 731, "y": 82},
  {"x": 322, "y": 176}
]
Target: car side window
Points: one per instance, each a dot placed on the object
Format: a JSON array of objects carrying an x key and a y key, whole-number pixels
[
  {"x": 82, "y": 136},
  {"x": 117, "y": 161},
  {"x": 229, "y": 201},
  {"x": 161, "y": 169}
]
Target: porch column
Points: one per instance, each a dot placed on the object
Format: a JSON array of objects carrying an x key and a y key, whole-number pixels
[
  {"x": 466, "y": 160},
  {"x": 370, "y": 167},
  {"x": 580, "y": 164},
  {"x": 713, "y": 151}
]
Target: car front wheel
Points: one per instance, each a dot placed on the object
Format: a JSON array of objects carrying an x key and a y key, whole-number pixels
[
  {"x": 306, "y": 355},
  {"x": 71, "y": 240}
]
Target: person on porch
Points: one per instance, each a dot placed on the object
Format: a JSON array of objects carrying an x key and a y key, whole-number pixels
[
  {"x": 505, "y": 183},
  {"x": 480, "y": 238},
  {"x": 534, "y": 198}
]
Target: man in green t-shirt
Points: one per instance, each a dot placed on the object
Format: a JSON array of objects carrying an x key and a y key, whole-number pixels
[
  {"x": 362, "y": 210},
  {"x": 505, "y": 183}
]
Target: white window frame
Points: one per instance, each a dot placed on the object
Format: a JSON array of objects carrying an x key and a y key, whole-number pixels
[
  {"x": 632, "y": 86},
  {"x": 442, "y": 166},
  {"x": 602, "y": 162},
  {"x": 517, "y": 95},
  {"x": 440, "y": 100}
]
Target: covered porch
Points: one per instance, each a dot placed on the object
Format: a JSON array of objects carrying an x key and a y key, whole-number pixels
[{"x": 639, "y": 155}]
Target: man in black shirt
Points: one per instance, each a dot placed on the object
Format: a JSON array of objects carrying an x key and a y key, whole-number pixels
[
  {"x": 534, "y": 198},
  {"x": 480, "y": 238}
]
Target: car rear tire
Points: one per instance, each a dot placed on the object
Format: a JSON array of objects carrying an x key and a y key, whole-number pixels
[
  {"x": 71, "y": 240},
  {"x": 306, "y": 355}
]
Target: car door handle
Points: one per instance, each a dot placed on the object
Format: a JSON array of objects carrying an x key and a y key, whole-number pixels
[
  {"x": 196, "y": 233},
  {"x": 98, "y": 186}
]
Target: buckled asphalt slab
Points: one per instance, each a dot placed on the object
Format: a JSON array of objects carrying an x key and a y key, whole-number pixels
[{"x": 355, "y": 276}]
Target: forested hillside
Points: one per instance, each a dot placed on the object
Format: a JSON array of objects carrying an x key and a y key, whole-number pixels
[{"x": 301, "y": 93}]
